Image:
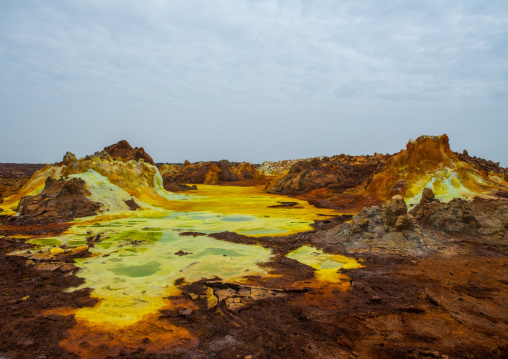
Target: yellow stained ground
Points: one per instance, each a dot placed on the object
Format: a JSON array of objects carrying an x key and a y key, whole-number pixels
[
  {"x": 325, "y": 264},
  {"x": 134, "y": 266},
  {"x": 252, "y": 201}
]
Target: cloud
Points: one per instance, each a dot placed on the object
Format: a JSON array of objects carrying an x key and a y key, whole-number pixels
[{"x": 175, "y": 73}]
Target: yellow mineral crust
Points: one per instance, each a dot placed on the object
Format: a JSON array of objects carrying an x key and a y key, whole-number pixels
[
  {"x": 134, "y": 265},
  {"x": 326, "y": 265},
  {"x": 131, "y": 280},
  {"x": 252, "y": 201},
  {"x": 124, "y": 179}
]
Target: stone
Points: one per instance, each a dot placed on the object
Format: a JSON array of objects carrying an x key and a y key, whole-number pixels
[
  {"x": 60, "y": 198},
  {"x": 67, "y": 267},
  {"x": 78, "y": 250},
  {"x": 132, "y": 204},
  {"x": 41, "y": 257},
  {"x": 123, "y": 150},
  {"x": 211, "y": 299},
  {"x": 391, "y": 213},
  {"x": 49, "y": 266},
  {"x": 69, "y": 158},
  {"x": 427, "y": 195}
]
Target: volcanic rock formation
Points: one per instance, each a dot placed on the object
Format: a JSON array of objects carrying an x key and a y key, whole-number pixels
[
  {"x": 14, "y": 176},
  {"x": 349, "y": 183},
  {"x": 209, "y": 172},
  {"x": 178, "y": 187},
  {"x": 126, "y": 152},
  {"x": 276, "y": 168},
  {"x": 378, "y": 230},
  {"x": 61, "y": 199},
  {"x": 337, "y": 173},
  {"x": 429, "y": 162},
  {"x": 487, "y": 217},
  {"x": 110, "y": 182}
]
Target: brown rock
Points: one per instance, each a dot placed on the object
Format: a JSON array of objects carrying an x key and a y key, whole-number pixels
[
  {"x": 337, "y": 173},
  {"x": 126, "y": 152},
  {"x": 78, "y": 250},
  {"x": 132, "y": 204},
  {"x": 403, "y": 222},
  {"x": 69, "y": 158},
  {"x": 359, "y": 225},
  {"x": 208, "y": 172},
  {"x": 395, "y": 215},
  {"x": 177, "y": 186},
  {"x": 427, "y": 195},
  {"x": 60, "y": 199},
  {"x": 67, "y": 267},
  {"x": 49, "y": 266}
]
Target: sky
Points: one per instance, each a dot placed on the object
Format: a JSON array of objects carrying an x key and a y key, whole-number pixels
[{"x": 251, "y": 80}]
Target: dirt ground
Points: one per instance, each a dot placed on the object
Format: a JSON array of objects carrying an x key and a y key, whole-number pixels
[
  {"x": 448, "y": 305},
  {"x": 451, "y": 302}
]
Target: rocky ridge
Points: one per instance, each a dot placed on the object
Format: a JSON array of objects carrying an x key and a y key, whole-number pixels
[
  {"x": 388, "y": 230},
  {"x": 126, "y": 178},
  {"x": 209, "y": 172},
  {"x": 337, "y": 173},
  {"x": 349, "y": 183}
]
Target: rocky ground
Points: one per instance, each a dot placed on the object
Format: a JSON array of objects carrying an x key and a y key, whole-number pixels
[
  {"x": 434, "y": 284},
  {"x": 434, "y": 281},
  {"x": 25, "y": 331}
]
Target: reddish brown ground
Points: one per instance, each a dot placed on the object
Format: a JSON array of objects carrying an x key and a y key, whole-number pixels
[
  {"x": 13, "y": 176},
  {"x": 25, "y": 331},
  {"x": 450, "y": 304}
]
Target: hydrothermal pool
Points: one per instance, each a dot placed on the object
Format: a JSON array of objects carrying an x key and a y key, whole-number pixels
[{"x": 135, "y": 263}]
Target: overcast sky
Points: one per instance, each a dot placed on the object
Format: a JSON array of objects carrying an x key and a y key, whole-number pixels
[{"x": 251, "y": 80}]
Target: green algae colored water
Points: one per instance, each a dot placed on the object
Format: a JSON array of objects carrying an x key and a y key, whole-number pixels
[{"x": 138, "y": 259}]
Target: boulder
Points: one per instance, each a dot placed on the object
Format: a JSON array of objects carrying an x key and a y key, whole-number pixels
[
  {"x": 60, "y": 199},
  {"x": 395, "y": 216},
  {"x": 428, "y": 196},
  {"x": 69, "y": 158}
]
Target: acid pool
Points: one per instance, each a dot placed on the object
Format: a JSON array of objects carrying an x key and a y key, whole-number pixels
[{"x": 137, "y": 259}]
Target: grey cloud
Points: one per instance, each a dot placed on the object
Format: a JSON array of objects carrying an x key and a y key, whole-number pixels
[{"x": 250, "y": 80}]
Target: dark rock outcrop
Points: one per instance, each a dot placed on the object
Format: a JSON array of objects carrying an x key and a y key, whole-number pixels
[
  {"x": 337, "y": 173},
  {"x": 61, "y": 199},
  {"x": 488, "y": 217},
  {"x": 132, "y": 204},
  {"x": 385, "y": 230},
  {"x": 178, "y": 187},
  {"x": 211, "y": 172},
  {"x": 69, "y": 158},
  {"x": 395, "y": 216},
  {"x": 483, "y": 165},
  {"x": 126, "y": 152}
]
